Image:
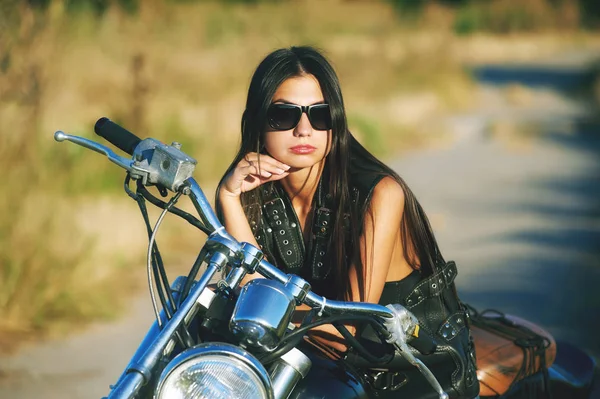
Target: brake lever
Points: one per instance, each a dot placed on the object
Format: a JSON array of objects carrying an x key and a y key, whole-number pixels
[
  {"x": 398, "y": 326},
  {"x": 402, "y": 348},
  {"x": 123, "y": 162}
]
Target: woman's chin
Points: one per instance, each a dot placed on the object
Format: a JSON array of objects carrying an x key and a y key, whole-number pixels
[{"x": 298, "y": 166}]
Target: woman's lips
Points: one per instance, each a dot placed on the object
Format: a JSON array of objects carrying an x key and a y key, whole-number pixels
[{"x": 302, "y": 149}]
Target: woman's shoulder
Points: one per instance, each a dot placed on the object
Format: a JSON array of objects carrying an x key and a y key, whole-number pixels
[
  {"x": 387, "y": 199},
  {"x": 369, "y": 186},
  {"x": 388, "y": 188}
]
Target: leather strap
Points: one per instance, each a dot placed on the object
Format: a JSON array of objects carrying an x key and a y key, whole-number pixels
[
  {"x": 323, "y": 223},
  {"x": 286, "y": 235},
  {"x": 451, "y": 328},
  {"x": 433, "y": 285}
]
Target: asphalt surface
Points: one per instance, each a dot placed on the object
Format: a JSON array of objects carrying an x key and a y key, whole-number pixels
[
  {"x": 523, "y": 227},
  {"x": 521, "y": 220}
]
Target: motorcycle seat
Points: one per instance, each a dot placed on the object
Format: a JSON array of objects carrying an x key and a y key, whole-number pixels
[{"x": 501, "y": 362}]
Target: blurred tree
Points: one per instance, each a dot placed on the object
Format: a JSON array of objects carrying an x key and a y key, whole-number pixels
[
  {"x": 504, "y": 16},
  {"x": 410, "y": 6},
  {"x": 130, "y": 6},
  {"x": 417, "y": 5},
  {"x": 43, "y": 4},
  {"x": 98, "y": 7},
  {"x": 456, "y": 2},
  {"x": 590, "y": 13},
  {"x": 468, "y": 19},
  {"x": 248, "y": 1}
]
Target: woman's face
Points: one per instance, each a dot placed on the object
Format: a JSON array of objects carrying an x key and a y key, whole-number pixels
[{"x": 302, "y": 146}]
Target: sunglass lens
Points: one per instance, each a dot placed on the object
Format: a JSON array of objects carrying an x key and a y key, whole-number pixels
[
  {"x": 283, "y": 116},
  {"x": 320, "y": 117}
]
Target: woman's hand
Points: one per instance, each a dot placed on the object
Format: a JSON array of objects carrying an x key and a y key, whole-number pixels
[
  {"x": 325, "y": 334},
  {"x": 252, "y": 171}
]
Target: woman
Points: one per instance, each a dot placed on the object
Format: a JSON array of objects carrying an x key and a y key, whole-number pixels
[{"x": 321, "y": 206}]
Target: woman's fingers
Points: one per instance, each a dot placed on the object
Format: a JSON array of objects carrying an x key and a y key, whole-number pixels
[
  {"x": 264, "y": 167},
  {"x": 254, "y": 170},
  {"x": 266, "y": 161}
]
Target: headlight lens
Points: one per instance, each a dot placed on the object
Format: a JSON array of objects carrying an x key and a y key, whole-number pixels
[{"x": 214, "y": 371}]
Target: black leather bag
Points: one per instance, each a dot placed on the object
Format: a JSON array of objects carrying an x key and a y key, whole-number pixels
[{"x": 435, "y": 304}]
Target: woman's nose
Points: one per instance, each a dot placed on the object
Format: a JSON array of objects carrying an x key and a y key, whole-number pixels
[{"x": 304, "y": 127}]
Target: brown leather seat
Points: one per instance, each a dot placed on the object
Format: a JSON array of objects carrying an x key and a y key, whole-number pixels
[{"x": 499, "y": 359}]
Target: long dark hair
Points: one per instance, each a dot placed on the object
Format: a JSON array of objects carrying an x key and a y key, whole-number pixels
[{"x": 418, "y": 242}]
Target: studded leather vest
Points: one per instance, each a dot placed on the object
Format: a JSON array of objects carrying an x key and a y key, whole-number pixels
[{"x": 280, "y": 237}]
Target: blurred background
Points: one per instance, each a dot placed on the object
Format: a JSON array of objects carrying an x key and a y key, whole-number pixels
[{"x": 488, "y": 108}]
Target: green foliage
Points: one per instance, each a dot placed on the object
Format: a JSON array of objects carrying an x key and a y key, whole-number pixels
[
  {"x": 412, "y": 8},
  {"x": 590, "y": 13},
  {"x": 244, "y": 1},
  {"x": 504, "y": 16},
  {"x": 472, "y": 15},
  {"x": 408, "y": 5},
  {"x": 509, "y": 16},
  {"x": 43, "y": 4},
  {"x": 97, "y": 7},
  {"x": 5, "y": 62},
  {"x": 129, "y": 6},
  {"x": 9, "y": 19},
  {"x": 468, "y": 20}
]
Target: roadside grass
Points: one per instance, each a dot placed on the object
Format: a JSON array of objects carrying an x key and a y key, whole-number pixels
[{"x": 69, "y": 246}]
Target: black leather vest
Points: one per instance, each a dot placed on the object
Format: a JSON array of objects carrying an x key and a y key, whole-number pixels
[{"x": 280, "y": 237}]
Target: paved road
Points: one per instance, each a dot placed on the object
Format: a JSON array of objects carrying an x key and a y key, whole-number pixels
[
  {"x": 523, "y": 225},
  {"x": 520, "y": 213},
  {"x": 79, "y": 367}
]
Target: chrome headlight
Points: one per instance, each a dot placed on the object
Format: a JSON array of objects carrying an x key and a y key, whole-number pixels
[{"x": 214, "y": 371}]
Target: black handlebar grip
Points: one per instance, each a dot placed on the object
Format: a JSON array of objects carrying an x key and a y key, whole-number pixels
[
  {"x": 422, "y": 341},
  {"x": 116, "y": 135}
]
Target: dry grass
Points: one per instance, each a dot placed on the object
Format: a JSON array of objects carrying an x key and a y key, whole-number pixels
[{"x": 180, "y": 72}]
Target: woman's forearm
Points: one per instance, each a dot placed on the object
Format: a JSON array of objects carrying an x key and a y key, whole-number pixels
[{"x": 236, "y": 223}]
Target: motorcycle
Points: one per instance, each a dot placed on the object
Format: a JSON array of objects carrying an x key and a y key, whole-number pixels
[{"x": 225, "y": 341}]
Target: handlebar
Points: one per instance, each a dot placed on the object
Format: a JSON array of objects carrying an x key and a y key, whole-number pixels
[
  {"x": 270, "y": 271},
  {"x": 229, "y": 250},
  {"x": 116, "y": 135},
  {"x": 214, "y": 226}
]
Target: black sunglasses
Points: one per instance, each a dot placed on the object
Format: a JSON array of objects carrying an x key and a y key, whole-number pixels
[{"x": 287, "y": 116}]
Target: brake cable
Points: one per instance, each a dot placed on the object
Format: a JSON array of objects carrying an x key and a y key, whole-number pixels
[
  {"x": 292, "y": 339},
  {"x": 162, "y": 282},
  {"x": 151, "y": 246},
  {"x": 158, "y": 264},
  {"x": 192, "y": 275},
  {"x": 191, "y": 219}
]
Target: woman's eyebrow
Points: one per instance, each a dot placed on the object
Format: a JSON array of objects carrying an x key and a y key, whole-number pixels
[{"x": 283, "y": 100}]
